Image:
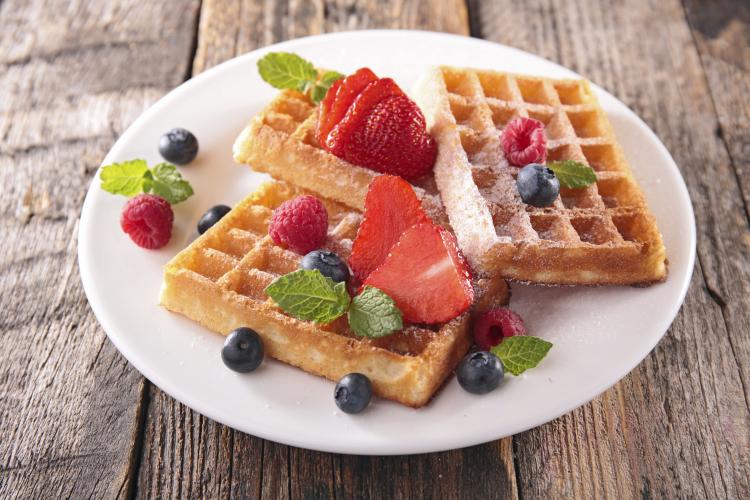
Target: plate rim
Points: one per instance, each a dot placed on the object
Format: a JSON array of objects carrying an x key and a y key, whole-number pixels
[{"x": 99, "y": 309}]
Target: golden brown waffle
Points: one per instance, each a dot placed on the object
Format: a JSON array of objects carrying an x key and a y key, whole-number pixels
[
  {"x": 602, "y": 234},
  {"x": 280, "y": 141},
  {"x": 219, "y": 281}
]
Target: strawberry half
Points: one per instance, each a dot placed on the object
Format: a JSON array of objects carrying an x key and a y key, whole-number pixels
[
  {"x": 372, "y": 123},
  {"x": 391, "y": 207},
  {"x": 339, "y": 97},
  {"x": 426, "y": 275},
  {"x": 358, "y": 111}
]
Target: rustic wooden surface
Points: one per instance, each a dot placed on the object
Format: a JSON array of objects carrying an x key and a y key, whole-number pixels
[{"x": 77, "y": 420}]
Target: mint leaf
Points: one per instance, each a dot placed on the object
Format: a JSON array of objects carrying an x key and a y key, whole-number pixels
[
  {"x": 572, "y": 174},
  {"x": 165, "y": 181},
  {"x": 134, "y": 177},
  {"x": 125, "y": 178},
  {"x": 310, "y": 296},
  {"x": 521, "y": 352},
  {"x": 284, "y": 70},
  {"x": 320, "y": 90},
  {"x": 318, "y": 93},
  {"x": 329, "y": 77},
  {"x": 373, "y": 314}
]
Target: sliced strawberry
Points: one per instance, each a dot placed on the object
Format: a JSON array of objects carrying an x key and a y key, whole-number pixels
[
  {"x": 385, "y": 132},
  {"x": 426, "y": 275},
  {"x": 391, "y": 207},
  {"x": 357, "y": 112},
  {"x": 339, "y": 98},
  {"x": 325, "y": 122}
]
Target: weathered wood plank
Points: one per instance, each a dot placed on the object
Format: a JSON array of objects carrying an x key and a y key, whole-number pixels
[
  {"x": 232, "y": 27},
  {"x": 722, "y": 35},
  {"x": 679, "y": 425},
  {"x": 228, "y": 28},
  {"x": 70, "y": 405}
]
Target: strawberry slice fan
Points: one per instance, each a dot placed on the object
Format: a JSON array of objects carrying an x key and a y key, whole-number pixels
[
  {"x": 391, "y": 207},
  {"x": 400, "y": 251},
  {"x": 370, "y": 122}
]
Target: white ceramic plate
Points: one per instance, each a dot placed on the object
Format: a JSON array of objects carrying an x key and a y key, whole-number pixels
[{"x": 600, "y": 334}]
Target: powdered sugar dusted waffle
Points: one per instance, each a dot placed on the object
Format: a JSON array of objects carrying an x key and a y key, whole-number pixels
[
  {"x": 219, "y": 281},
  {"x": 601, "y": 234}
]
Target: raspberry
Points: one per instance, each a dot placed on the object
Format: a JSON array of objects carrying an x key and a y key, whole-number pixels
[
  {"x": 147, "y": 219},
  {"x": 524, "y": 142},
  {"x": 300, "y": 224},
  {"x": 492, "y": 326}
]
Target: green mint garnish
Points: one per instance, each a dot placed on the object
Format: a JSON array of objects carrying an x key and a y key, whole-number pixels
[
  {"x": 284, "y": 70},
  {"x": 134, "y": 177},
  {"x": 521, "y": 352},
  {"x": 125, "y": 178},
  {"x": 373, "y": 314},
  {"x": 572, "y": 174},
  {"x": 166, "y": 181},
  {"x": 310, "y": 296},
  {"x": 318, "y": 93}
]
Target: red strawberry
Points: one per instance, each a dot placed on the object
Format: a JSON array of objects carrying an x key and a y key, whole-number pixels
[
  {"x": 426, "y": 275},
  {"x": 359, "y": 109},
  {"x": 338, "y": 99},
  {"x": 385, "y": 131},
  {"x": 391, "y": 207}
]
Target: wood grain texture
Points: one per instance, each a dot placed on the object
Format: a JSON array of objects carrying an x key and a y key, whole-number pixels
[
  {"x": 232, "y": 27},
  {"x": 70, "y": 405},
  {"x": 229, "y": 28},
  {"x": 722, "y": 35},
  {"x": 678, "y": 425}
]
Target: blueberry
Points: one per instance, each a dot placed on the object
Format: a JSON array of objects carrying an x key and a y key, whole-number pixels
[
  {"x": 328, "y": 263},
  {"x": 211, "y": 217},
  {"x": 353, "y": 393},
  {"x": 480, "y": 372},
  {"x": 178, "y": 146},
  {"x": 243, "y": 350},
  {"x": 537, "y": 185}
]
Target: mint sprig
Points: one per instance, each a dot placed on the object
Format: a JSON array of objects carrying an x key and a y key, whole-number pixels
[
  {"x": 308, "y": 295},
  {"x": 133, "y": 177},
  {"x": 166, "y": 181},
  {"x": 125, "y": 178},
  {"x": 521, "y": 352},
  {"x": 572, "y": 174},
  {"x": 374, "y": 314},
  {"x": 284, "y": 70}
]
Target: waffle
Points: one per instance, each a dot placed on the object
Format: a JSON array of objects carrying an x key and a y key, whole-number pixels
[
  {"x": 280, "y": 141},
  {"x": 219, "y": 281},
  {"x": 602, "y": 234}
]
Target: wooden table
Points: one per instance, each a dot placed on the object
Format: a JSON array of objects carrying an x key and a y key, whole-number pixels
[{"x": 77, "y": 420}]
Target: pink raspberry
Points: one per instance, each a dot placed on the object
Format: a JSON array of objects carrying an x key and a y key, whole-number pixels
[
  {"x": 300, "y": 224},
  {"x": 147, "y": 219},
  {"x": 523, "y": 142},
  {"x": 494, "y": 325}
]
